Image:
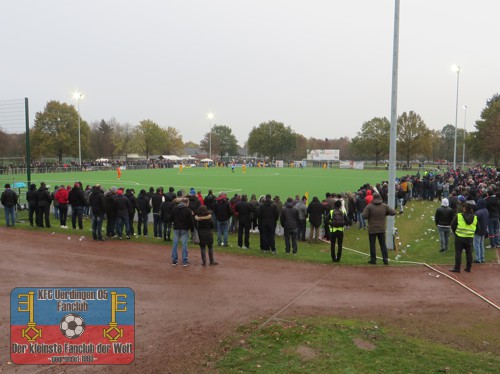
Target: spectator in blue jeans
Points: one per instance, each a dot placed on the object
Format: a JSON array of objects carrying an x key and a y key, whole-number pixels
[
  {"x": 9, "y": 200},
  {"x": 222, "y": 211},
  {"x": 443, "y": 218},
  {"x": 76, "y": 199},
  {"x": 481, "y": 230},
  {"x": 182, "y": 218}
]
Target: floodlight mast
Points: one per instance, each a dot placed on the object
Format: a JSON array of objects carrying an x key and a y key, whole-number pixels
[{"x": 393, "y": 132}]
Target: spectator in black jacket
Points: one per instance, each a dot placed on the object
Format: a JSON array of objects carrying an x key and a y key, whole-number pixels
[
  {"x": 209, "y": 202},
  {"x": 143, "y": 216},
  {"x": 166, "y": 216},
  {"x": 443, "y": 218},
  {"x": 122, "y": 207},
  {"x": 76, "y": 199},
  {"x": 244, "y": 211},
  {"x": 222, "y": 211},
  {"x": 493, "y": 207},
  {"x": 183, "y": 223},
  {"x": 290, "y": 221},
  {"x": 267, "y": 216},
  {"x": 156, "y": 200},
  {"x": 32, "y": 199},
  {"x": 44, "y": 199},
  {"x": 9, "y": 200},
  {"x": 315, "y": 212},
  {"x": 97, "y": 205},
  {"x": 204, "y": 225},
  {"x": 109, "y": 200},
  {"x": 130, "y": 195}
]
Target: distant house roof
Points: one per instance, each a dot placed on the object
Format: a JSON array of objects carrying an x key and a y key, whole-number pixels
[{"x": 194, "y": 151}]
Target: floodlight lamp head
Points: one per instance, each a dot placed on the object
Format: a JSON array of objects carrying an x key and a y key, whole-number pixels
[
  {"x": 78, "y": 95},
  {"x": 455, "y": 68}
]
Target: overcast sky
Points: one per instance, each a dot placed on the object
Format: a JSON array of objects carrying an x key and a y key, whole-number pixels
[{"x": 322, "y": 67}]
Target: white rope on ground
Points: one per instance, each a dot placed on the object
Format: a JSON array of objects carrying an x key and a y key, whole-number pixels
[
  {"x": 295, "y": 298},
  {"x": 465, "y": 286},
  {"x": 440, "y": 272}
]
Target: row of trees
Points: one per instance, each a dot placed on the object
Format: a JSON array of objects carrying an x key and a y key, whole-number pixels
[
  {"x": 55, "y": 134},
  {"x": 415, "y": 139}
]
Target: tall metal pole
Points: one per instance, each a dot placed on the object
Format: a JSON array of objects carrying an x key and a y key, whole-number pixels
[
  {"x": 210, "y": 116},
  {"x": 463, "y": 148},
  {"x": 79, "y": 137},
  {"x": 457, "y": 69},
  {"x": 394, "y": 127},
  {"x": 28, "y": 146}
]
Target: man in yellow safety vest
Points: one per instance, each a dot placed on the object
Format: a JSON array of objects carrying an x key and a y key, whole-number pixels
[{"x": 464, "y": 226}]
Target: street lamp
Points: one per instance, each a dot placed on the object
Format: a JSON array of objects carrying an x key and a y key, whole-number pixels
[
  {"x": 210, "y": 116},
  {"x": 463, "y": 149},
  {"x": 78, "y": 96},
  {"x": 456, "y": 69}
]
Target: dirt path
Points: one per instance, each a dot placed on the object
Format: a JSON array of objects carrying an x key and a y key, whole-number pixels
[{"x": 182, "y": 313}]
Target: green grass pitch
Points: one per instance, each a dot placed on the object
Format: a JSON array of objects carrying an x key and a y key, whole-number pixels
[{"x": 284, "y": 182}]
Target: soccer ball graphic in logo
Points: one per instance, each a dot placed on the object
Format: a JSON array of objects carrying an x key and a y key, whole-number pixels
[{"x": 72, "y": 326}]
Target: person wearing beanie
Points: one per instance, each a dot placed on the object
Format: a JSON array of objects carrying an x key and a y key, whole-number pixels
[
  {"x": 443, "y": 218},
  {"x": 376, "y": 213}
]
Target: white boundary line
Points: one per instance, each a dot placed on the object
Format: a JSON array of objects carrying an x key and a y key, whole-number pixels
[{"x": 295, "y": 298}]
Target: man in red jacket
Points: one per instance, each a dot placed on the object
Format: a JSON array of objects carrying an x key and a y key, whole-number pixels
[{"x": 61, "y": 196}]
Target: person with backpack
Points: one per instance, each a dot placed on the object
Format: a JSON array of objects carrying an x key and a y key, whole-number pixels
[
  {"x": 337, "y": 221},
  {"x": 376, "y": 213}
]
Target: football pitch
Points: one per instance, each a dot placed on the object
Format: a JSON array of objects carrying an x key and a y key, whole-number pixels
[{"x": 285, "y": 182}]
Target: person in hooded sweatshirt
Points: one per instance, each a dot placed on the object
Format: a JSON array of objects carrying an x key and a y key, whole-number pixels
[
  {"x": 481, "y": 230},
  {"x": 376, "y": 213},
  {"x": 122, "y": 207},
  {"x": 464, "y": 226},
  {"x": 443, "y": 217}
]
